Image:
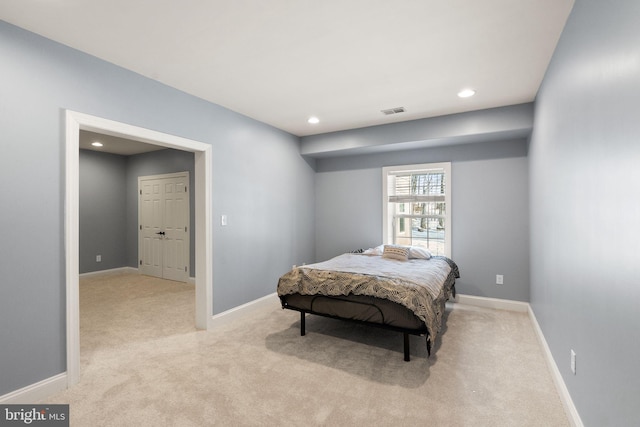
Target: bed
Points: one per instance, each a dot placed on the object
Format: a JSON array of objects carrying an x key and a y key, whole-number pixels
[{"x": 403, "y": 293}]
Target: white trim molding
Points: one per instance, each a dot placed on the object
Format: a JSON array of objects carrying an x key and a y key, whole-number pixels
[
  {"x": 119, "y": 270},
  {"x": 387, "y": 216},
  {"x": 500, "y": 304},
  {"x": 203, "y": 160},
  {"x": 36, "y": 392},
  {"x": 565, "y": 397},
  {"x": 43, "y": 389},
  {"x": 243, "y": 310}
]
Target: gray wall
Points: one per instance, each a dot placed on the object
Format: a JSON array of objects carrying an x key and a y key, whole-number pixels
[
  {"x": 585, "y": 209},
  {"x": 102, "y": 179},
  {"x": 490, "y": 210},
  {"x": 109, "y": 204},
  {"x": 259, "y": 180}
]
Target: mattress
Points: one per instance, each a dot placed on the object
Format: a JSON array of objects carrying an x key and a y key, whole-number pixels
[{"x": 412, "y": 293}]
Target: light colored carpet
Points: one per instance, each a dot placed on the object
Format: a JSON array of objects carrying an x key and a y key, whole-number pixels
[{"x": 144, "y": 364}]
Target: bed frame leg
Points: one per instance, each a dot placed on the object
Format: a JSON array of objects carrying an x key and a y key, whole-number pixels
[
  {"x": 406, "y": 347},
  {"x": 302, "y": 325},
  {"x": 428, "y": 346}
]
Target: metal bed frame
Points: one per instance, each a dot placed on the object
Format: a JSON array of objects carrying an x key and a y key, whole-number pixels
[{"x": 405, "y": 331}]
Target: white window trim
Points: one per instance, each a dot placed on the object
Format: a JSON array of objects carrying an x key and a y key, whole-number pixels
[{"x": 387, "y": 170}]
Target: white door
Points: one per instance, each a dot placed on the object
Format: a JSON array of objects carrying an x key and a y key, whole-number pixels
[
  {"x": 163, "y": 212},
  {"x": 150, "y": 226}
]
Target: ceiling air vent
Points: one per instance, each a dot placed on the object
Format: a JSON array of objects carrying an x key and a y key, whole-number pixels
[{"x": 393, "y": 111}]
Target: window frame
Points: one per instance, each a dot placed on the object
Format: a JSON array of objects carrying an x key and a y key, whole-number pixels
[{"x": 418, "y": 168}]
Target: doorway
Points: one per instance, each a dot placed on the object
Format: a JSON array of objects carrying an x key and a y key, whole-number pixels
[
  {"x": 163, "y": 226},
  {"x": 74, "y": 122}
]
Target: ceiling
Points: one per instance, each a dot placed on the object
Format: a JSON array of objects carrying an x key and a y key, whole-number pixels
[
  {"x": 282, "y": 61},
  {"x": 114, "y": 144}
]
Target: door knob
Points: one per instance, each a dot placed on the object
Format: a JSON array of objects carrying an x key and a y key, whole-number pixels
[{"x": 160, "y": 232}]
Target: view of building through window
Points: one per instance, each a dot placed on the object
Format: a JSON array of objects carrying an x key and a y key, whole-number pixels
[
  {"x": 420, "y": 223},
  {"x": 417, "y": 207}
]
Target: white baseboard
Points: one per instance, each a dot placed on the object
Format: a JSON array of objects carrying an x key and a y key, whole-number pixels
[
  {"x": 242, "y": 310},
  {"x": 36, "y": 392},
  {"x": 565, "y": 397},
  {"x": 501, "y": 304},
  {"x": 119, "y": 270},
  {"x": 45, "y": 388},
  {"x": 125, "y": 270}
]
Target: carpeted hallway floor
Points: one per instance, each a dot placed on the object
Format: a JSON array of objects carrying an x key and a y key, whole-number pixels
[{"x": 144, "y": 364}]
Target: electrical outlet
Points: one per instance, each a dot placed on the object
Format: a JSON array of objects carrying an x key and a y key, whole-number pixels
[
  {"x": 98, "y": 258},
  {"x": 573, "y": 362},
  {"x": 499, "y": 279}
]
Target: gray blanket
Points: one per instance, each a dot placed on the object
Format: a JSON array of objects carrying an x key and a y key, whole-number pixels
[{"x": 423, "y": 286}]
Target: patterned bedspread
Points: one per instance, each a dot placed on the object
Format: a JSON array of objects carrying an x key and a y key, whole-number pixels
[{"x": 423, "y": 286}]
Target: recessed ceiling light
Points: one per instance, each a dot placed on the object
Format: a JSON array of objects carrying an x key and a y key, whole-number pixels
[
  {"x": 466, "y": 93},
  {"x": 97, "y": 144},
  {"x": 313, "y": 120}
]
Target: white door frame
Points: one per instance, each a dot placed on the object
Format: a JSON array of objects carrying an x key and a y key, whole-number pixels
[{"x": 204, "y": 239}]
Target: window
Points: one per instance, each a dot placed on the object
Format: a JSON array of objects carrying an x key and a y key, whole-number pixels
[{"x": 417, "y": 206}]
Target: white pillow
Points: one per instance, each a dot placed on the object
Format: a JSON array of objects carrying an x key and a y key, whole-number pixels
[
  {"x": 374, "y": 251},
  {"x": 417, "y": 252}
]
